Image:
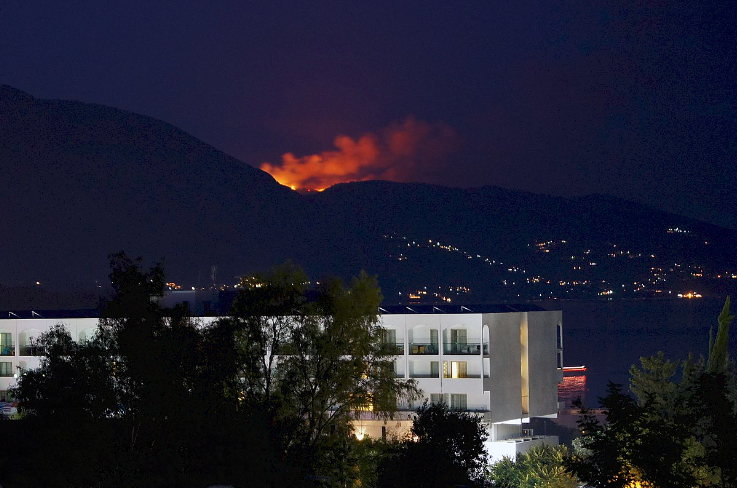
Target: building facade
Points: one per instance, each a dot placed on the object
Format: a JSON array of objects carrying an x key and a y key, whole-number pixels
[{"x": 502, "y": 362}]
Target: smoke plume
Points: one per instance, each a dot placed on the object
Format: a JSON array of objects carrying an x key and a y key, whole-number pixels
[{"x": 401, "y": 152}]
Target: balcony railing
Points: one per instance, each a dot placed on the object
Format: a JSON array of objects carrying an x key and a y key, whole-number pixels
[
  {"x": 31, "y": 350},
  {"x": 469, "y": 348},
  {"x": 423, "y": 348},
  {"x": 7, "y": 350},
  {"x": 425, "y": 375},
  {"x": 467, "y": 376}
]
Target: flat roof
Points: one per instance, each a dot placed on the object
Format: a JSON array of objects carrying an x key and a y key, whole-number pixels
[
  {"x": 458, "y": 309},
  {"x": 384, "y": 309},
  {"x": 50, "y": 314}
]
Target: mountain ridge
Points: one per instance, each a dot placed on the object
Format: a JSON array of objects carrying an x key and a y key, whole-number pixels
[{"x": 90, "y": 180}]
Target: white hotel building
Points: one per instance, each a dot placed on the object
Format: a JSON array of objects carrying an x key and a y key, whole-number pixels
[{"x": 502, "y": 362}]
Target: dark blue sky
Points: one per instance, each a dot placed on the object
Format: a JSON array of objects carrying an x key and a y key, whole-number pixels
[{"x": 633, "y": 99}]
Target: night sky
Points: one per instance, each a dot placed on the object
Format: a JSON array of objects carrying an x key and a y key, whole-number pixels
[{"x": 632, "y": 99}]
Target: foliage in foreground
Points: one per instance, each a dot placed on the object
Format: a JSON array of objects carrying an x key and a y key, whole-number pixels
[
  {"x": 541, "y": 467},
  {"x": 446, "y": 448},
  {"x": 310, "y": 365},
  {"x": 674, "y": 433},
  {"x": 262, "y": 398}
]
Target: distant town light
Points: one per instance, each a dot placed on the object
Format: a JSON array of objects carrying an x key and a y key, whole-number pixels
[{"x": 690, "y": 294}]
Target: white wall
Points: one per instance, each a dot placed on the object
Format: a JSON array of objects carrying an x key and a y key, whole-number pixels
[
  {"x": 23, "y": 330},
  {"x": 499, "y": 395}
]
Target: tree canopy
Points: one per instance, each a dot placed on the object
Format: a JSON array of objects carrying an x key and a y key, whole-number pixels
[
  {"x": 541, "y": 467},
  {"x": 445, "y": 448},
  {"x": 311, "y": 359},
  {"x": 674, "y": 432},
  {"x": 262, "y": 397}
]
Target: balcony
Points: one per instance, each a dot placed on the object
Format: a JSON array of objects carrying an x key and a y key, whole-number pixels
[
  {"x": 434, "y": 374},
  {"x": 7, "y": 350},
  {"x": 468, "y": 349},
  {"x": 399, "y": 348},
  {"x": 467, "y": 376},
  {"x": 423, "y": 348},
  {"x": 30, "y": 350}
]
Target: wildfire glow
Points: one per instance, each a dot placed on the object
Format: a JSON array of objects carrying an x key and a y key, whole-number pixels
[{"x": 400, "y": 152}]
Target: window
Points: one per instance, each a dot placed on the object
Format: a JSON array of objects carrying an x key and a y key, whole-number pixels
[
  {"x": 395, "y": 370},
  {"x": 6, "y": 344},
  {"x": 6, "y": 369},
  {"x": 434, "y": 369},
  {"x": 459, "y": 336},
  {"x": 458, "y": 402},
  {"x": 459, "y": 343},
  {"x": 455, "y": 369},
  {"x": 390, "y": 338},
  {"x": 436, "y": 398}
]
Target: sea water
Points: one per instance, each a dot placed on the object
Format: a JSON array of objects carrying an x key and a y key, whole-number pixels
[{"x": 610, "y": 336}]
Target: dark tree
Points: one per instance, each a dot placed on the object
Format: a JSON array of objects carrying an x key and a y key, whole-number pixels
[
  {"x": 715, "y": 426},
  {"x": 678, "y": 433},
  {"x": 141, "y": 404},
  {"x": 635, "y": 445},
  {"x": 446, "y": 449},
  {"x": 310, "y": 358}
]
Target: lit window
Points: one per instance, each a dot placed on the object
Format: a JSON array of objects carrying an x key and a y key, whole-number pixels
[{"x": 455, "y": 369}]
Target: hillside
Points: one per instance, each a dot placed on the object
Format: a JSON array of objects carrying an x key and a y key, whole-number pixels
[{"x": 88, "y": 180}]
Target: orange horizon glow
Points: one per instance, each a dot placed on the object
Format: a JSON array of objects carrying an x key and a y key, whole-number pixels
[{"x": 399, "y": 152}]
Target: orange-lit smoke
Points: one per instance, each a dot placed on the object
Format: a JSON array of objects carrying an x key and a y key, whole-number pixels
[{"x": 401, "y": 152}]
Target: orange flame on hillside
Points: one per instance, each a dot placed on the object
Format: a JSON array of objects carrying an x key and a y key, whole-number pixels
[{"x": 401, "y": 152}]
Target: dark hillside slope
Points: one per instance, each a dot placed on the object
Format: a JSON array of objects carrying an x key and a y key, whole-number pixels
[
  {"x": 89, "y": 179},
  {"x": 505, "y": 226}
]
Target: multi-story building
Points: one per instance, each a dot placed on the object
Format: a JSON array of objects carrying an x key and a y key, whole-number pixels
[{"x": 502, "y": 362}]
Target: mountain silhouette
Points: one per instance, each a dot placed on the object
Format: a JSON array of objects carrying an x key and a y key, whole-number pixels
[{"x": 84, "y": 180}]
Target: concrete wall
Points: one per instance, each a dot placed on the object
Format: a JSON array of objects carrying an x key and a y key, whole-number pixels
[
  {"x": 543, "y": 373},
  {"x": 504, "y": 385}
]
